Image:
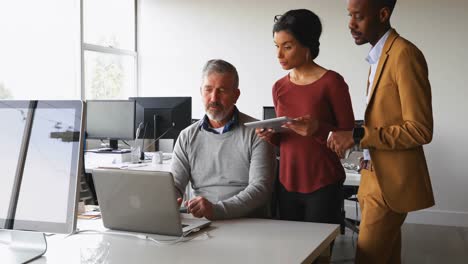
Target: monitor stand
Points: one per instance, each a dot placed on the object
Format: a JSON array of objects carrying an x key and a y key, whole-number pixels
[
  {"x": 21, "y": 246},
  {"x": 113, "y": 144}
]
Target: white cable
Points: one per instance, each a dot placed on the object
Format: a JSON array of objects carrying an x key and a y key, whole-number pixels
[{"x": 182, "y": 238}]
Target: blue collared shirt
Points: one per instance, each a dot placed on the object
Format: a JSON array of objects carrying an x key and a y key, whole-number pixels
[{"x": 205, "y": 124}]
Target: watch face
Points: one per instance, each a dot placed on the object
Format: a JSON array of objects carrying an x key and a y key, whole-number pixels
[{"x": 358, "y": 133}]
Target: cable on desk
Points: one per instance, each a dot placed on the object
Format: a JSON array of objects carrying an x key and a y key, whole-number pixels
[
  {"x": 162, "y": 135},
  {"x": 182, "y": 238},
  {"x": 125, "y": 142}
]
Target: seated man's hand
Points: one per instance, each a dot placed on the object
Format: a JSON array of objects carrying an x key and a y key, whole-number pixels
[
  {"x": 340, "y": 141},
  {"x": 200, "y": 207}
]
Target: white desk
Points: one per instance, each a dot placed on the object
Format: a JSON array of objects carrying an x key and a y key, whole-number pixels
[
  {"x": 94, "y": 160},
  {"x": 231, "y": 241},
  {"x": 352, "y": 178}
]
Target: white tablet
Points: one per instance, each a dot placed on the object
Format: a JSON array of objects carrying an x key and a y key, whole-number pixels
[{"x": 274, "y": 123}]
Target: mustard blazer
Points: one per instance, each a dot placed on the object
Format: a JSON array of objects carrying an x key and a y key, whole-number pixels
[{"x": 398, "y": 121}]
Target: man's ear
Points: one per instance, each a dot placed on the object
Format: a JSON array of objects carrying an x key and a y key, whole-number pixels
[
  {"x": 384, "y": 15},
  {"x": 237, "y": 94}
]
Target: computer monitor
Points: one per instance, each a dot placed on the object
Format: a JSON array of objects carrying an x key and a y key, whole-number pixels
[
  {"x": 162, "y": 117},
  {"x": 44, "y": 141},
  {"x": 13, "y": 115},
  {"x": 112, "y": 120},
  {"x": 269, "y": 112}
]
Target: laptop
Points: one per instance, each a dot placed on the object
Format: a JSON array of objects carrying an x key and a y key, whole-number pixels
[{"x": 142, "y": 201}]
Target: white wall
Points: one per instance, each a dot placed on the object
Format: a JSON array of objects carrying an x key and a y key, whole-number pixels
[{"x": 178, "y": 36}]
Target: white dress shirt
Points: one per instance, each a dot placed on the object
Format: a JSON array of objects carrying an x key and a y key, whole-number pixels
[{"x": 373, "y": 60}]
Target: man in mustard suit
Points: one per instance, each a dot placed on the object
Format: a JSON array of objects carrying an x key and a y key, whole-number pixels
[{"x": 397, "y": 123}]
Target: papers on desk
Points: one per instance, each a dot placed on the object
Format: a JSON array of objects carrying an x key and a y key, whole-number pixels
[
  {"x": 91, "y": 212},
  {"x": 94, "y": 160},
  {"x": 90, "y": 215},
  {"x": 122, "y": 165}
]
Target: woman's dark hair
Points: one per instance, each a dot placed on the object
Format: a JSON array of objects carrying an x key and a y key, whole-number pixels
[{"x": 304, "y": 25}]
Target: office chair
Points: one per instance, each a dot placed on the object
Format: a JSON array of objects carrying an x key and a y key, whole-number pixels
[
  {"x": 87, "y": 192},
  {"x": 349, "y": 193},
  {"x": 269, "y": 112}
]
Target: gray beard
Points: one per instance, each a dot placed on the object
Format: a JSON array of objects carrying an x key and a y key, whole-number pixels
[{"x": 218, "y": 117}]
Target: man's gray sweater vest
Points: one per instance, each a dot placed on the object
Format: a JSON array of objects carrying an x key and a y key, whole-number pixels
[{"x": 233, "y": 170}]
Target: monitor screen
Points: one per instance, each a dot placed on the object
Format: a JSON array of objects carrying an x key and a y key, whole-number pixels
[
  {"x": 163, "y": 117},
  {"x": 269, "y": 112},
  {"x": 13, "y": 115},
  {"x": 110, "y": 119},
  {"x": 48, "y": 192}
]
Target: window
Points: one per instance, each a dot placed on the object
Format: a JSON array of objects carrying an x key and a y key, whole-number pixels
[
  {"x": 40, "y": 49},
  {"x": 50, "y": 51},
  {"x": 109, "y": 49}
]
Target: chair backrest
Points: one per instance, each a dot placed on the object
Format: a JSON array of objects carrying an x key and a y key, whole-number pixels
[{"x": 269, "y": 112}]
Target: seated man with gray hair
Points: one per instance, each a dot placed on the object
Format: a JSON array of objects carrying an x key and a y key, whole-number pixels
[{"x": 229, "y": 167}]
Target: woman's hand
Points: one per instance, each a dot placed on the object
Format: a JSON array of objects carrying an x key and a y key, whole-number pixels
[
  {"x": 304, "y": 125},
  {"x": 265, "y": 134}
]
